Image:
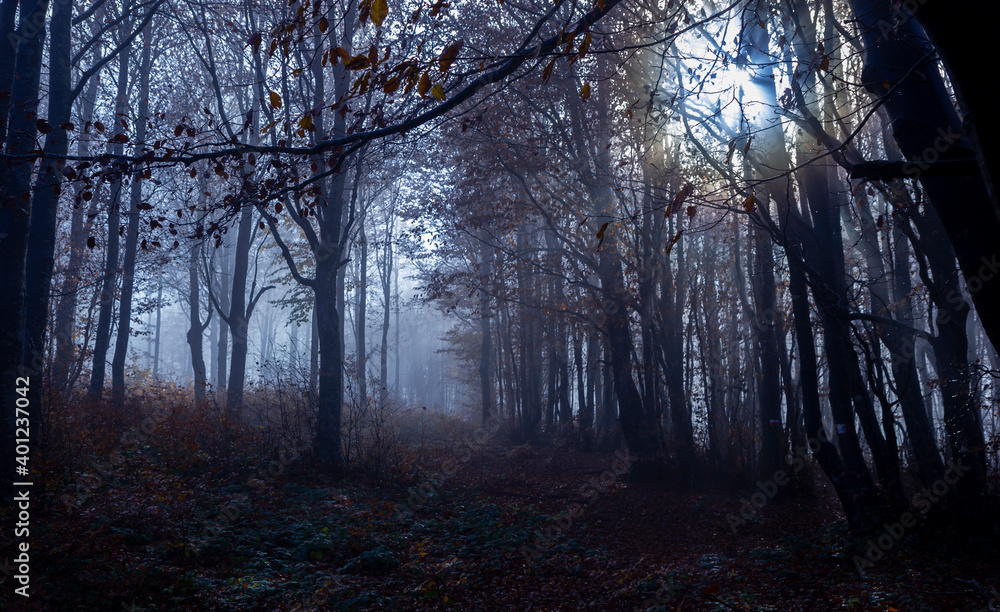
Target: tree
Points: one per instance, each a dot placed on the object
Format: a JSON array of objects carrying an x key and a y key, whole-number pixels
[
  {"x": 928, "y": 129},
  {"x": 196, "y": 330},
  {"x": 131, "y": 236}
]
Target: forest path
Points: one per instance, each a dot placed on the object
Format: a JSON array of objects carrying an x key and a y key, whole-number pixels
[
  {"x": 664, "y": 546},
  {"x": 496, "y": 529}
]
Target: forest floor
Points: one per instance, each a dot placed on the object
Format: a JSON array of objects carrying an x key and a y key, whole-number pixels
[{"x": 505, "y": 528}]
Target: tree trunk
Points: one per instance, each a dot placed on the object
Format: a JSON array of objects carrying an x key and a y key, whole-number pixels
[
  {"x": 551, "y": 395},
  {"x": 109, "y": 282},
  {"x": 397, "y": 386},
  {"x": 361, "y": 289},
  {"x": 196, "y": 328},
  {"x": 562, "y": 364},
  {"x": 927, "y": 128},
  {"x": 639, "y": 426},
  {"x": 132, "y": 235},
  {"x": 649, "y": 265},
  {"x": 608, "y": 431},
  {"x": 769, "y": 398},
  {"x": 581, "y": 387},
  {"x": 8, "y": 53},
  {"x": 314, "y": 354},
  {"x": 846, "y": 469},
  {"x": 951, "y": 349},
  {"x": 486, "y": 345},
  {"x": 898, "y": 343},
  {"x": 961, "y": 39},
  {"x": 15, "y": 185},
  {"x": 238, "y": 317},
  {"x": 328, "y": 285},
  {"x": 331, "y": 368},
  {"x": 529, "y": 372},
  {"x": 845, "y": 385},
  {"x": 48, "y": 186},
  {"x": 593, "y": 380},
  {"x": 855, "y": 494},
  {"x": 386, "y": 312},
  {"x": 671, "y": 303},
  {"x": 65, "y": 318},
  {"x": 159, "y": 312},
  {"x": 919, "y": 428},
  {"x": 213, "y": 349},
  {"x": 222, "y": 352}
]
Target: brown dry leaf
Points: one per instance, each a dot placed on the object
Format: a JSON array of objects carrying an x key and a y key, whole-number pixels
[
  {"x": 547, "y": 72},
  {"x": 379, "y": 11}
]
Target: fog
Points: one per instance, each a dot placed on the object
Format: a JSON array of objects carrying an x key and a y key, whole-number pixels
[{"x": 398, "y": 305}]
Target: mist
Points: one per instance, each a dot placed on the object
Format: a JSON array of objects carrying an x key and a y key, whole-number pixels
[{"x": 614, "y": 305}]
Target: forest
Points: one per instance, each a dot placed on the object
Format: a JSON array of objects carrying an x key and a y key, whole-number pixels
[{"x": 503, "y": 305}]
